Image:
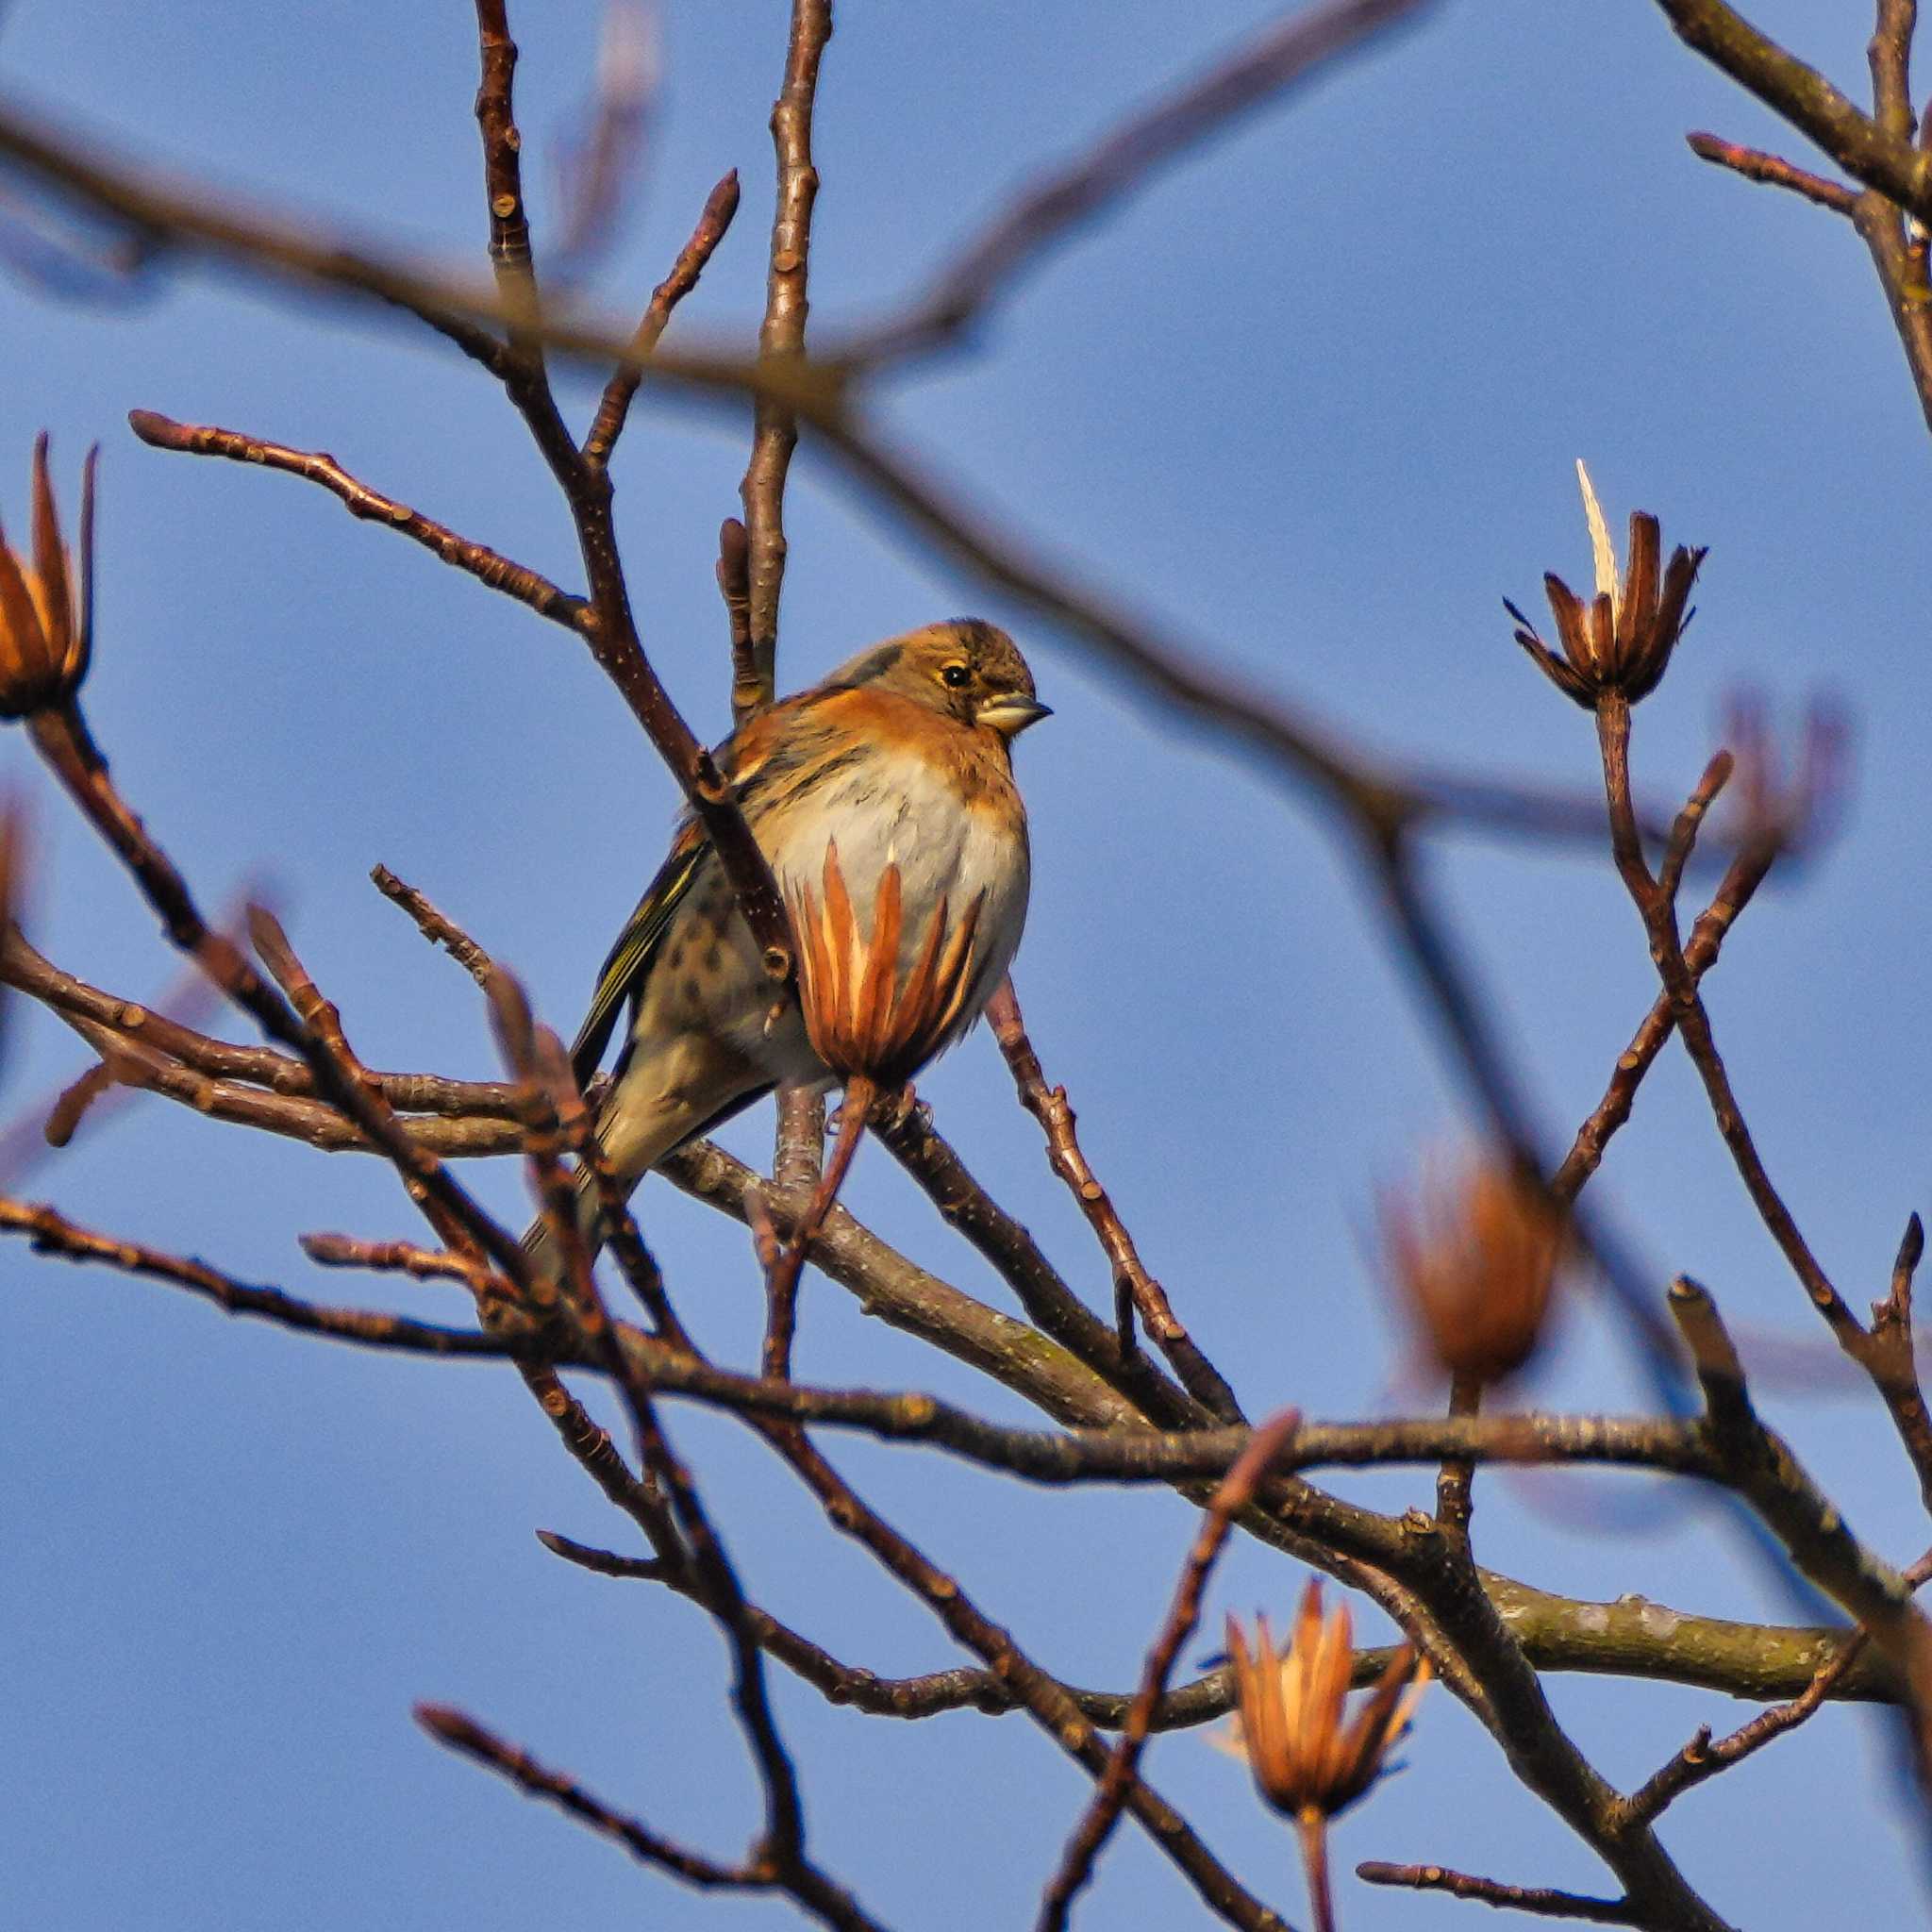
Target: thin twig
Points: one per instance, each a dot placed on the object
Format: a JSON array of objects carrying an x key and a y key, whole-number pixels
[
  {"x": 936, "y": 1692},
  {"x": 1693, "y": 1020},
  {"x": 136, "y": 1024},
  {"x": 1046, "y": 208},
  {"x": 1134, "y": 1287},
  {"x": 608, "y": 623},
  {"x": 734, "y": 586},
  {"x": 1745, "y": 872},
  {"x": 512, "y": 259},
  {"x": 614, "y": 406},
  {"x": 781, "y": 342},
  {"x": 1887, "y": 1360},
  {"x": 1043, "y": 1696},
  {"x": 1703, "y": 1758},
  {"x": 305, "y": 1023},
  {"x": 617, "y": 1226},
  {"x": 604, "y": 1562},
  {"x": 448, "y": 1207},
  {"x": 825, "y": 1900},
  {"x": 904, "y": 1126},
  {"x": 464, "y": 1734},
  {"x": 406, "y": 1258},
  {"x": 1756, "y": 165},
  {"x": 1110, "y": 1795},
  {"x": 551, "y": 1181},
  {"x": 782, "y": 1276},
  {"x": 488, "y": 567},
  {"x": 1492, "y": 1892},
  {"x": 51, "y": 1232},
  {"x": 437, "y": 927}
]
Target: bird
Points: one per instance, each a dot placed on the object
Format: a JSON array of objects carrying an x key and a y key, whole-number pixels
[{"x": 900, "y": 761}]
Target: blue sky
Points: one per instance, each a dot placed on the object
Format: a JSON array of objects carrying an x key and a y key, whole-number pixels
[{"x": 1315, "y": 398}]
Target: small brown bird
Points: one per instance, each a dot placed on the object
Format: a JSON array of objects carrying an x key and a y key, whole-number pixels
[{"x": 901, "y": 758}]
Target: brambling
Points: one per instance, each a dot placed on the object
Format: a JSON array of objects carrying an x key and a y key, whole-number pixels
[{"x": 901, "y": 758}]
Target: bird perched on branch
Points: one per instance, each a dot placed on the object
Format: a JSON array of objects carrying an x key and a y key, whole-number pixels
[{"x": 883, "y": 799}]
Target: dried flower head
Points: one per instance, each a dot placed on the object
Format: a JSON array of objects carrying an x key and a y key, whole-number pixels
[
  {"x": 1477, "y": 1256},
  {"x": 46, "y": 606},
  {"x": 1305, "y": 1758},
  {"x": 862, "y": 1018},
  {"x": 1621, "y": 642}
]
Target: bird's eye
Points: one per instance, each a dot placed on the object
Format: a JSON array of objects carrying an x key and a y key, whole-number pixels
[{"x": 955, "y": 674}]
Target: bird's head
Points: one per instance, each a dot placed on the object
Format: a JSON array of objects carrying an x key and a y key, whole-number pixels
[{"x": 966, "y": 668}]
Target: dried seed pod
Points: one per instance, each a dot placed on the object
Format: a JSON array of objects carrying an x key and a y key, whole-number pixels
[
  {"x": 46, "y": 603},
  {"x": 1620, "y": 642},
  {"x": 1477, "y": 1257},
  {"x": 1305, "y": 1757}
]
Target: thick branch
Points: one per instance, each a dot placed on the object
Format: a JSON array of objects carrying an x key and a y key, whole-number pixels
[
  {"x": 1761, "y": 1468},
  {"x": 1804, "y": 97},
  {"x": 1629, "y": 1636}
]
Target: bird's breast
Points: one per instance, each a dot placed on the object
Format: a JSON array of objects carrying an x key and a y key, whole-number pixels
[{"x": 961, "y": 842}]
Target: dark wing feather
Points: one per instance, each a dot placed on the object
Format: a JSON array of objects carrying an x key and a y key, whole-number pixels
[
  {"x": 763, "y": 751},
  {"x": 636, "y": 951}
]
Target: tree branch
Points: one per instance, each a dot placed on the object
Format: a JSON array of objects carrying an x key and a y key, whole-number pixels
[{"x": 781, "y": 342}]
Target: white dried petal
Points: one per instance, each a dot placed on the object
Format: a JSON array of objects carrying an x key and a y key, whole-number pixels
[{"x": 1604, "y": 557}]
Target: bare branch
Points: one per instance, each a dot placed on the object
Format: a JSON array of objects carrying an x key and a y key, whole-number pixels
[
  {"x": 1804, "y": 97},
  {"x": 1755, "y": 165},
  {"x": 614, "y": 408},
  {"x": 1060, "y": 199},
  {"x": 1492, "y": 1892},
  {"x": 132, "y": 1023},
  {"x": 1110, "y": 1795},
  {"x": 1134, "y": 1287},
  {"x": 781, "y": 342},
  {"x": 435, "y": 926},
  {"x": 904, "y": 1126},
  {"x": 1762, "y": 1470},
  {"x": 826, "y": 1902},
  {"x": 1044, "y": 1699},
  {"x": 488, "y": 567},
  {"x": 51, "y": 1232}
]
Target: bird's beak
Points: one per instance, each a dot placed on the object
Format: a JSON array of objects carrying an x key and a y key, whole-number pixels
[{"x": 1011, "y": 714}]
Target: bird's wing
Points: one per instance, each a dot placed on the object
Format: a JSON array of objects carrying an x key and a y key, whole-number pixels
[
  {"x": 744, "y": 759},
  {"x": 632, "y": 958}
]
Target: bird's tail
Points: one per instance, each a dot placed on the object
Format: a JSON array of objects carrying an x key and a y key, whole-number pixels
[
  {"x": 634, "y": 1138},
  {"x": 540, "y": 1238},
  {"x": 636, "y": 1130}
]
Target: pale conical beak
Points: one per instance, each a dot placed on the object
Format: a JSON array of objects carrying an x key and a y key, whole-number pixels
[{"x": 1011, "y": 714}]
